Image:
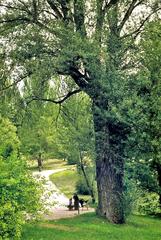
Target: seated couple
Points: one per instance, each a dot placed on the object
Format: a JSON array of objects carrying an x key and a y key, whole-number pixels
[{"x": 75, "y": 203}]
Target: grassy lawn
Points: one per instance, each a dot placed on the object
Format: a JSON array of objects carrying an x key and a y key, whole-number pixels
[
  {"x": 65, "y": 181},
  {"x": 49, "y": 164},
  {"x": 90, "y": 227}
]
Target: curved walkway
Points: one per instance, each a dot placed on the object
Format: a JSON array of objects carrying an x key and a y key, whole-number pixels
[{"x": 55, "y": 202}]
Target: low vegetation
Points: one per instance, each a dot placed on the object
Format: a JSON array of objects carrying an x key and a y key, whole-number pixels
[{"x": 90, "y": 227}]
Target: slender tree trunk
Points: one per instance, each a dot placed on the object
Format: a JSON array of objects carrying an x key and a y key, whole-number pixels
[
  {"x": 86, "y": 179},
  {"x": 39, "y": 162},
  {"x": 109, "y": 165}
]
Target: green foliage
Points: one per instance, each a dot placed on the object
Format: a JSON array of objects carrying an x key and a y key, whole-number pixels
[
  {"x": 148, "y": 203},
  {"x": 130, "y": 195},
  {"x": 81, "y": 186},
  {"x": 75, "y": 129},
  {"x": 9, "y": 143},
  {"x": 38, "y": 131},
  {"x": 145, "y": 137},
  {"x": 19, "y": 193}
]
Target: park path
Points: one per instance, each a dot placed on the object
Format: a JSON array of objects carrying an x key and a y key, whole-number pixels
[
  {"x": 52, "y": 197},
  {"x": 54, "y": 200}
]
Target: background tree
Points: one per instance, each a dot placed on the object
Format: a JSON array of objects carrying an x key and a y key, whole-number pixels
[
  {"x": 76, "y": 139},
  {"x": 146, "y": 112},
  {"x": 90, "y": 44},
  {"x": 37, "y": 133},
  {"x": 152, "y": 63}
]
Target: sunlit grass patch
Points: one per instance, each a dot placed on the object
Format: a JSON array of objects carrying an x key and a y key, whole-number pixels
[
  {"x": 91, "y": 227},
  {"x": 65, "y": 181}
]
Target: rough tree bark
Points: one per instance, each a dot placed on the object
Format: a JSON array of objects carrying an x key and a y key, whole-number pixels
[{"x": 109, "y": 164}]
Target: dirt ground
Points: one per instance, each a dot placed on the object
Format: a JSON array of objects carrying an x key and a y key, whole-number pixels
[{"x": 65, "y": 213}]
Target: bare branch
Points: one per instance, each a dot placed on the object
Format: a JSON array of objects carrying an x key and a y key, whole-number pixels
[
  {"x": 55, "y": 9},
  {"x": 51, "y": 13},
  {"x": 12, "y": 7},
  {"x": 60, "y": 101},
  {"x": 15, "y": 82},
  {"x": 21, "y": 19},
  {"x": 136, "y": 32},
  {"x": 35, "y": 12},
  {"x": 25, "y": 5},
  {"x": 57, "y": 117},
  {"x": 132, "y": 6}
]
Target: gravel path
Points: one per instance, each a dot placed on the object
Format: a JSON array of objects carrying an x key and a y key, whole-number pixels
[
  {"x": 55, "y": 201},
  {"x": 53, "y": 198}
]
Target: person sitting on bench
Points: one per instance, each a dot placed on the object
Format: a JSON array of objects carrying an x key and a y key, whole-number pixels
[{"x": 70, "y": 206}]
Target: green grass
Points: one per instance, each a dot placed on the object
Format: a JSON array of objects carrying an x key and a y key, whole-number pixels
[
  {"x": 65, "y": 181},
  {"x": 90, "y": 227},
  {"x": 49, "y": 164}
]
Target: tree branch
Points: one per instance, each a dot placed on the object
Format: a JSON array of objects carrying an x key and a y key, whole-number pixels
[
  {"x": 110, "y": 4},
  {"x": 79, "y": 17},
  {"x": 55, "y": 9},
  {"x": 69, "y": 94},
  {"x": 12, "y": 7},
  {"x": 132, "y": 6},
  {"x": 78, "y": 77},
  {"x": 138, "y": 30},
  {"x": 25, "y": 5},
  {"x": 15, "y": 82},
  {"x": 101, "y": 15},
  {"x": 21, "y": 19},
  {"x": 9, "y": 6}
]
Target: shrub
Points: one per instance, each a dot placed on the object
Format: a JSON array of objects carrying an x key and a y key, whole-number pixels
[
  {"x": 130, "y": 196},
  {"x": 19, "y": 194},
  {"x": 81, "y": 187},
  {"x": 148, "y": 203}
]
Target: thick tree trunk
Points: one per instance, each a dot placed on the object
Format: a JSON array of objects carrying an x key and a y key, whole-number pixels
[{"x": 109, "y": 165}]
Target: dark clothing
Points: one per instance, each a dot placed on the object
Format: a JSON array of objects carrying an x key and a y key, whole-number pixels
[{"x": 76, "y": 202}]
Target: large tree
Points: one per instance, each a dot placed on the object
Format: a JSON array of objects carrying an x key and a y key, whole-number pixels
[{"x": 88, "y": 46}]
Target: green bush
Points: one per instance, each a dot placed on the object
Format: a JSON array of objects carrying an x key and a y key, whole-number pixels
[
  {"x": 139, "y": 200},
  {"x": 10, "y": 221},
  {"x": 19, "y": 194},
  {"x": 148, "y": 203},
  {"x": 81, "y": 187},
  {"x": 130, "y": 196}
]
